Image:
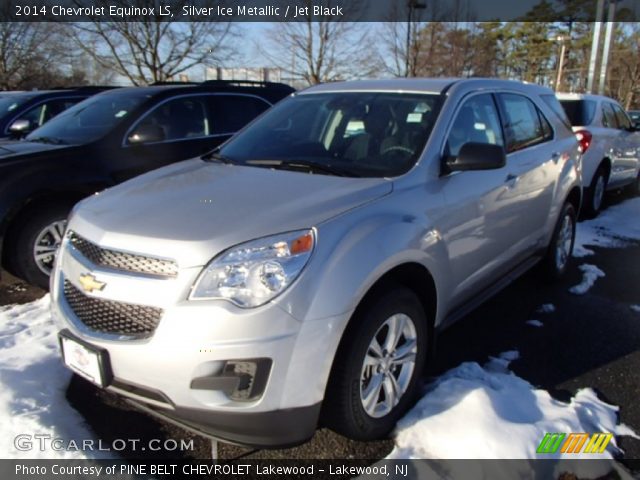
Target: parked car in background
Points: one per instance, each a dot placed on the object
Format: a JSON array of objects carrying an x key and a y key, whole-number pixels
[
  {"x": 610, "y": 144},
  {"x": 634, "y": 115},
  {"x": 105, "y": 140},
  {"x": 23, "y": 112},
  {"x": 301, "y": 271}
]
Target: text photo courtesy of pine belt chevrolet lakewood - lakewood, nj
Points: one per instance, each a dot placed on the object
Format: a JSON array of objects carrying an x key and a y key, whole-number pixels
[{"x": 353, "y": 239}]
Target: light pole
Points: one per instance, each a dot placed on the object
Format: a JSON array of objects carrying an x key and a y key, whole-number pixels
[
  {"x": 607, "y": 46},
  {"x": 561, "y": 39},
  {"x": 595, "y": 43},
  {"x": 411, "y": 5}
]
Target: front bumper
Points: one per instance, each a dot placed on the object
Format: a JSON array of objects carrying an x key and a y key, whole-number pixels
[{"x": 179, "y": 372}]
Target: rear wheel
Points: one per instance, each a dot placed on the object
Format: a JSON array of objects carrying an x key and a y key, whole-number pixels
[
  {"x": 378, "y": 366},
  {"x": 34, "y": 246},
  {"x": 560, "y": 249},
  {"x": 595, "y": 193}
]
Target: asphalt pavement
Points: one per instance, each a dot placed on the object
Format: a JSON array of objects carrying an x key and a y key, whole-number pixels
[{"x": 590, "y": 340}]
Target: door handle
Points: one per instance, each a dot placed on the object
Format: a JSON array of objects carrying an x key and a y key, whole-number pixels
[{"x": 555, "y": 156}]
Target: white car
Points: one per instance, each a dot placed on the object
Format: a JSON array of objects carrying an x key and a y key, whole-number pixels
[{"x": 610, "y": 144}]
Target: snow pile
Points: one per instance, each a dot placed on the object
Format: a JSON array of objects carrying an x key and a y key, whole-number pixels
[
  {"x": 635, "y": 308},
  {"x": 33, "y": 383},
  {"x": 590, "y": 273},
  {"x": 535, "y": 323},
  {"x": 612, "y": 228},
  {"x": 490, "y": 413}
]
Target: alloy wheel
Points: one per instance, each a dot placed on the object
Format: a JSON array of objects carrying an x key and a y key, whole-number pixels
[
  {"x": 564, "y": 242},
  {"x": 388, "y": 365},
  {"x": 47, "y": 244}
]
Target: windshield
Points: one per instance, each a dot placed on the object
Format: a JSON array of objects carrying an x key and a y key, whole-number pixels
[
  {"x": 90, "y": 119},
  {"x": 373, "y": 134},
  {"x": 9, "y": 102}
]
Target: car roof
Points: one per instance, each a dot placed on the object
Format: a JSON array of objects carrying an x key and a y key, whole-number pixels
[
  {"x": 583, "y": 96},
  {"x": 266, "y": 90},
  {"x": 423, "y": 85}
]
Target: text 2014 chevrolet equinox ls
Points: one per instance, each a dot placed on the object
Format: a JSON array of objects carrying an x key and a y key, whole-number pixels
[{"x": 298, "y": 274}]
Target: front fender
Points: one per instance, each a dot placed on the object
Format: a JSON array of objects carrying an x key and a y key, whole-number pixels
[{"x": 353, "y": 254}]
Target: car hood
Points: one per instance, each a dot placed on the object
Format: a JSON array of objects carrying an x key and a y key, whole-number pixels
[
  {"x": 13, "y": 148},
  {"x": 193, "y": 210}
]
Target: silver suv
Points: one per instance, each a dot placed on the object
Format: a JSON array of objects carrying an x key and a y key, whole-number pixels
[
  {"x": 610, "y": 146},
  {"x": 299, "y": 273}
]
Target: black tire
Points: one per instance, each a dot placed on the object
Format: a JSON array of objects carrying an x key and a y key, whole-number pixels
[
  {"x": 594, "y": 197},
  {"x": 343, "y": 410},
  {"x": 20, "y": 248},
  {"x": 553, "y": 266},
  {"x": 634, "y": 188}
]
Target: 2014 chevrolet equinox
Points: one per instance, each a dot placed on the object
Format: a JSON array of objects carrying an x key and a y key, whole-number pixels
[{"x": 300, "y": 272}]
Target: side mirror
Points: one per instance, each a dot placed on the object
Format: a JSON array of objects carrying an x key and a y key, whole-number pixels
[
  {"x": 477, "y": 156},
  {"x": 20, "y": 127},
  {"x": 146, "y": 134}
]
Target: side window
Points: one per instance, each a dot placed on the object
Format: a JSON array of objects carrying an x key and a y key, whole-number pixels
[
  {"x": 608, "y": 117},
  {"x": 621, "y": 117},
  {"x": 232, "y": 112},
  {"x": 477, "y": 121},
  {"x": 44, "y": 112},
  {"x": 180, "y": 118},
  {"x": 522, "y": 124}
]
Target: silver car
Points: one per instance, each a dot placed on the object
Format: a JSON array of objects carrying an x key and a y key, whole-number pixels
[
  {"x": 299, "y": 274},
  {"x": 610, "y": 146}
]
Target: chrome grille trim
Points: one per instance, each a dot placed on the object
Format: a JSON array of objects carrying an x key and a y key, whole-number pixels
[
  {"x": 111, "y": 317},
  {"x": 124, "y": 261}
]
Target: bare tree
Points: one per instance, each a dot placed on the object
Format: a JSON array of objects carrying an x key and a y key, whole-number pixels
[
  {"x": 152, "y": 49},
  {"x": 318, "y": 48},
  {"x": 30, "y": 55}
]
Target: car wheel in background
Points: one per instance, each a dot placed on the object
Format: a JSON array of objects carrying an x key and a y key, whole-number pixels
[
  {"x": 560, "y": 249},
  {"x": 634, "y": 188},
  {"x": 595, "y": 193},
  {"x": 378, "y": 366},
  {"x": 35, "y": 242}
]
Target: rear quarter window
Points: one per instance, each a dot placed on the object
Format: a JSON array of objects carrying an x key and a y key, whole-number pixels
[{"x": 554, "y": 104}]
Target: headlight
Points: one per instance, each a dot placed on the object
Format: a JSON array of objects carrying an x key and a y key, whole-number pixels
[{"x": 255, "y": 272}]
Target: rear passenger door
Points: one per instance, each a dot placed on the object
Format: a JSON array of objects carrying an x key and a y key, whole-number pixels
[{"x": 532, "y": 170}]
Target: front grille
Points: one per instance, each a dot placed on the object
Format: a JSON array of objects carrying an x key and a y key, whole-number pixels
[
  {"x": 121, "y": 260},
  {"x": 107, "y": 316}
]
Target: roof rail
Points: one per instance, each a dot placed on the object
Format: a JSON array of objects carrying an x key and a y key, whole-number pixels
[
  {"x": 245, "y": 83},
  {"x": 171, "y": 82},
  {"x": 83, "y": 87}
]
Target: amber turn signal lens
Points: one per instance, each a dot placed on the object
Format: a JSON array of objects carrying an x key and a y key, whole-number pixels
[{"x": 302, "y": 244}]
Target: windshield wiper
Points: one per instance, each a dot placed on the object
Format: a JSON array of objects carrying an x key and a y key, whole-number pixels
[
  {"x": 304, "y": 164},
  {"x": 217, "y": 157},
  {"x": 50, "y": 140}
]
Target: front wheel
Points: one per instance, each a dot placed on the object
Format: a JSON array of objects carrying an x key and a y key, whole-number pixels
[
  {"x": 634, "y": 188},
  {"x": 35, "y": 245},
  {"x": 378, "y": 366},
  {"x": 560, "y": 249}
]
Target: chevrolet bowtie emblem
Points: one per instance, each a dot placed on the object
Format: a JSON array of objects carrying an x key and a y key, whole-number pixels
[{"x": 89, "y": 283}]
